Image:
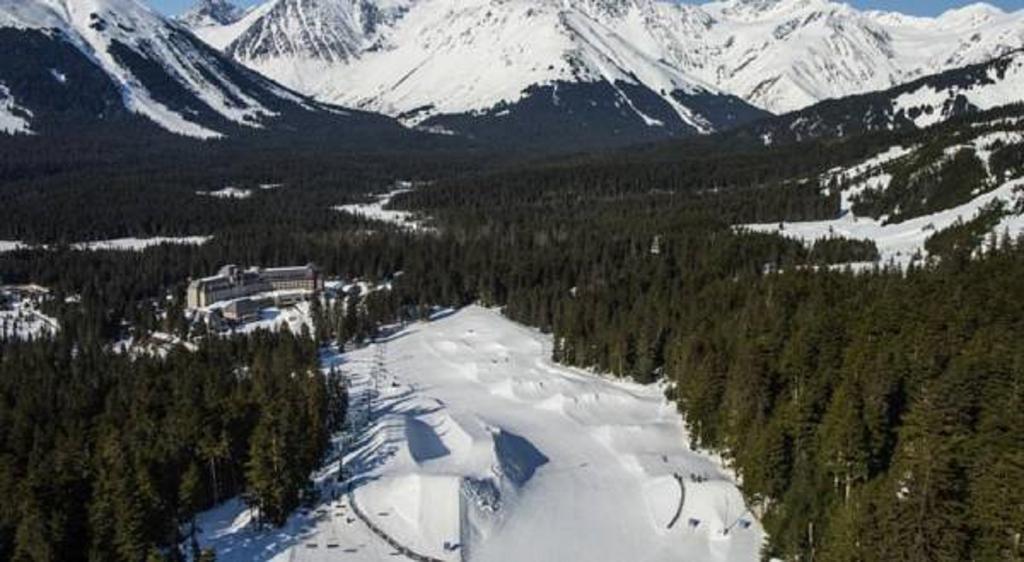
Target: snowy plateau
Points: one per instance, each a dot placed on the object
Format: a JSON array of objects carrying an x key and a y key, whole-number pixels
[
  {"x": 465, "y": 441},
  {"x": 414, "y": 59}
]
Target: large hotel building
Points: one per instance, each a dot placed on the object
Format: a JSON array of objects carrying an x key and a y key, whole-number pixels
[{"x": 235, "y": 283}]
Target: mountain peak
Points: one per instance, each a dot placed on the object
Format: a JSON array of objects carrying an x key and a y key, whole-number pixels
[
  {"x": 212, "y": 12},
  {"x": 755, "y": 8}
]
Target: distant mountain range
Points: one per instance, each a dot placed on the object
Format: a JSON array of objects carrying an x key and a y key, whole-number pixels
[
  {"x": 566, "y": 74},
  {"x": 660, "y": 65},
  {"x": 72, "y": 64}
]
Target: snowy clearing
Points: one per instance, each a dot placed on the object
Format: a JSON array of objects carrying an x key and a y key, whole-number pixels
[
  {"x": 139, "y": 244},
  {"x": 130, "y": 244},
  {"x": 468, "y": 442},
  {"x": 227, "y": 193},
  {"x": 12, "y": 245},
  {"x": 21, "y": 320},
  {"x": 376, "y": 211}
]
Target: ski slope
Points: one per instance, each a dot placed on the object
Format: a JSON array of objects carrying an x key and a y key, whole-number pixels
[{"x": 469, "y": 443}]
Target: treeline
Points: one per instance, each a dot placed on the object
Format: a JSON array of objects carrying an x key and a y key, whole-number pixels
[{"x": 109, "y": 457}]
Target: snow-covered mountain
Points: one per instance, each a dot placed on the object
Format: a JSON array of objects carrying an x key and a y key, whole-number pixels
[
  {"x": 784, "y": 55},
  {"x": 207, "y": 13},
  {"x": 83, "y": 62},
  {"x": 918, "y": 104},
  {"x": 595, "y": 68},
  {"x": 441, "y": 62}
]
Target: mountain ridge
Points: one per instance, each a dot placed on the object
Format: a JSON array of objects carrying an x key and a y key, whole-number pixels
[
  {"x": 68, "y": 65},
  {"x": 778, "y": 55}
]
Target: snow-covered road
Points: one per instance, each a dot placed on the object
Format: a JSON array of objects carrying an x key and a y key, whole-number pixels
[{"x": 469, "y": 443}]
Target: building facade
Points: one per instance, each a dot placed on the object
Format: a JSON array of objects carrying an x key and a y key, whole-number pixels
[{"x": 232, "y": 282}]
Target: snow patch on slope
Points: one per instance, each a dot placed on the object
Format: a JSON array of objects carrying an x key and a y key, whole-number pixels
[
  {"x": 929, "y": 106},
  {"x": 376, "y": 210},
  {"x": 13, "y": 119}
]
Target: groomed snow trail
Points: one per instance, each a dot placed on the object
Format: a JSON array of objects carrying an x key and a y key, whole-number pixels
[{"x": 469, "y": 443}]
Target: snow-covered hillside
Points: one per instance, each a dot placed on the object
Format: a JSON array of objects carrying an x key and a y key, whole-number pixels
[
  {"x": 992, "y": 86},
  {"x": 469, "y": 443},
  {"x": 924, "y": 102},
  {"x": 418, "y": 58},
  {"x": 901, "y": 178}
]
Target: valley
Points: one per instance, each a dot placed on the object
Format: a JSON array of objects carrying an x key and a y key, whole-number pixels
[{"x": 494, "y": 280}]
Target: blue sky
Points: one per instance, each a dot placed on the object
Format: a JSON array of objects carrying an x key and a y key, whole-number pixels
[{"x": 917, "y": 7}]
